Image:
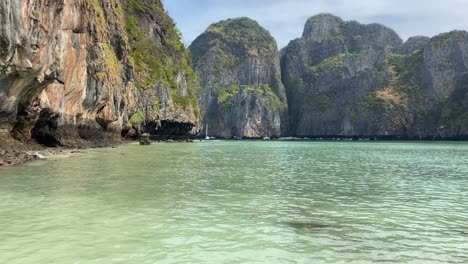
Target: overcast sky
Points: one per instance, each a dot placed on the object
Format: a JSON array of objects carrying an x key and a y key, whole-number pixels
[{"x": 285, "y": 19}]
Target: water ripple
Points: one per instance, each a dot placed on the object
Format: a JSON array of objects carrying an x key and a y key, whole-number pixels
[{"x": 240, "y": 202}]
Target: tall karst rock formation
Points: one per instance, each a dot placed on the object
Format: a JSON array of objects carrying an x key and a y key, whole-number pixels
[
  {"x": 237, "y": 64},
  {"x": 79, "y": 71},
  {"x": 330, "y": 70},
  {"x": 346, "y": 79}
]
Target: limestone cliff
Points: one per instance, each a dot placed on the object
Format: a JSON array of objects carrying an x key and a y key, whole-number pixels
[
  {"x": 237, "y": 63},
  {"x": 69, "y": 74},
  {"x": 434, "y": 79},
  {"x": 165, "y": 80},
  {"x": 330, "y": 70},
  {"x": 348, "y": 79}
]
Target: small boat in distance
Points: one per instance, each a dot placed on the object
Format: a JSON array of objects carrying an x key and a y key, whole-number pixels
[
  {"x": 206, "y": 133},
  {"x": 266, "y": 138}
]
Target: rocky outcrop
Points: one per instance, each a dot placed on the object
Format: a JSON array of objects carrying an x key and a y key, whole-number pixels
[
  {"x": 60, "y": 79},
  {"x": 167, "y": 105},
  {"x": 237, "y": 64},
  {"x": 440, "y": 78},
  {"x": 348, "y": 79},
  {"x": 69, "y": 74},
  {"x": 413, "y": 44},
  {"x": 329, "y": 72}
]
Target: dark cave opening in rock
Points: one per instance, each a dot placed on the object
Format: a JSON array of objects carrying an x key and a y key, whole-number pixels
[
  {"x": 170, "y": 130},
  {"x": 45, "y": 127}
]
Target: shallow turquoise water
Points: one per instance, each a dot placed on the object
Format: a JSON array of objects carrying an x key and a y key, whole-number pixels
[{"x": 240, "y": 202}]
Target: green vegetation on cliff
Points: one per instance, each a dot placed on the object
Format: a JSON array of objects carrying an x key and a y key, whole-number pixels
[
  {"x": 400, "y": 99},
  {"x": 162, "y": 59},
  {"x": 106, "y": 17},
  {"x": 137, "y": 119},
  {"x": 237, "y": 63},
  {"x": 228, "y": 93},
  {"x": 407, "y": 102},
  {"x": 455, "y": 108},
  {"x": 242, "y": 36},
  {"x": 335, "y": 63}
]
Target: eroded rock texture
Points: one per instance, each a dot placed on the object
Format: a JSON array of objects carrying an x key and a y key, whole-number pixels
[{"x": 68, "y": 73}]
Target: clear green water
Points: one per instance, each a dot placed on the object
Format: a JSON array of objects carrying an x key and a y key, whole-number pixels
[{"x": 240, "y": 202}]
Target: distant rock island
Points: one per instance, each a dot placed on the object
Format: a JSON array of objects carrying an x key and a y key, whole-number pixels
[
  {"x": 344, "y": 78},
  {"x": 238, "y": 66},
  {"x": 341, "y": 78}
]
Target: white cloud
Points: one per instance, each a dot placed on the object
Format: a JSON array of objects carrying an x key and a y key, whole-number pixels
[{"x": 285, "y": 18}]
